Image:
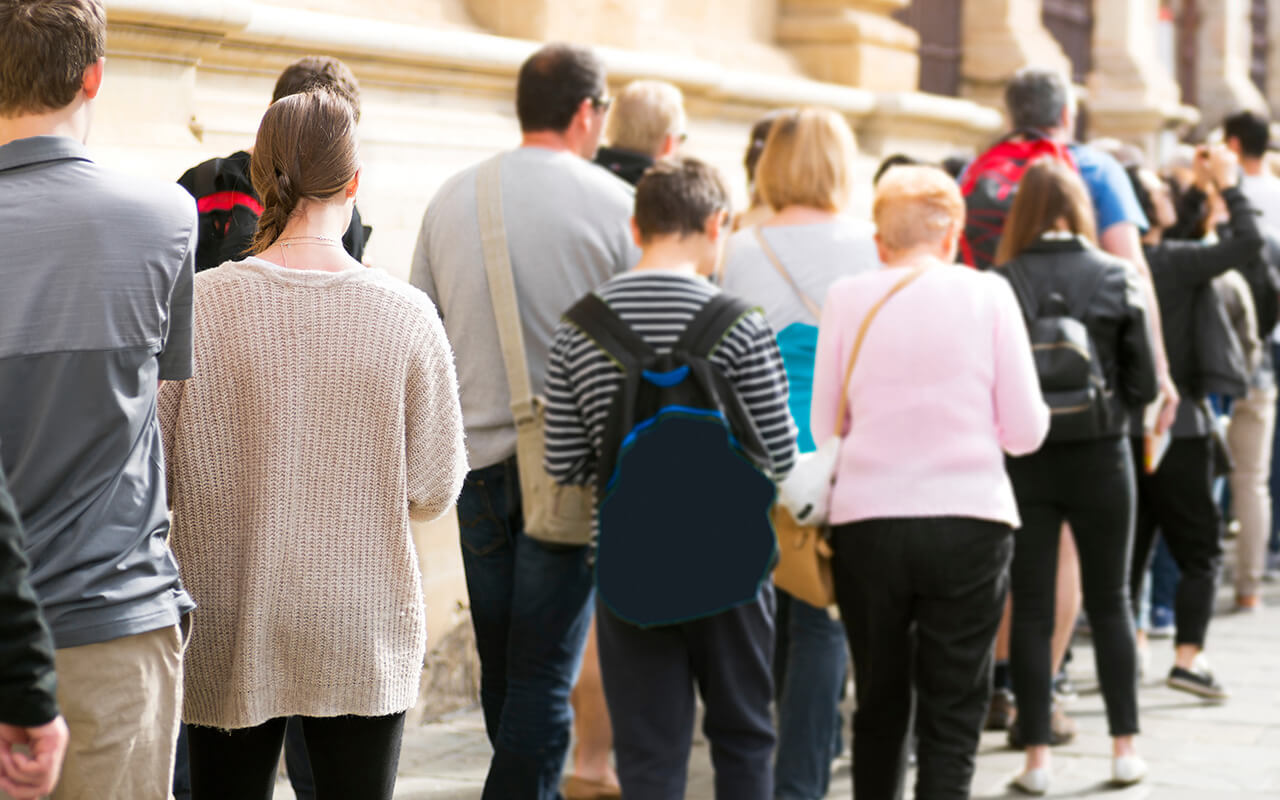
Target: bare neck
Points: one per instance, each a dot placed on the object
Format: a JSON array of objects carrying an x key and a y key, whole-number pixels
[
  {"x": 683, "y": 255},
  {"x": 68, "y": 122},
  {"x": 312, "y": 239},
  {"x": 548, "y": 140},
  {"x": 1253, "y": 167}
]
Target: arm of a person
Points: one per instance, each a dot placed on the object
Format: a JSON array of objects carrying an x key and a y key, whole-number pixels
[
  {"x": 168, "y": 407},
  {"x": 435, "y": 448},
  {"x": 1022, "y": 418},
  {"x": 27, "y": 682},
  {"x": 420, "y": 270},
  {"x": 1136, "y": 369},
  {"x": 570, "y": 458},
  {"x": 828, "y": 370},
  {"x": 175, "y": 360},
  {"x": 1195, "y": 264},
  {"x": 761, "y": 381}
]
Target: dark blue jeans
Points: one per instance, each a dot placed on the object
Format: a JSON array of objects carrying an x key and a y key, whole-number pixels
[
  {"x": 531, "y": 608},
  {"x": 816, "y": 658}
]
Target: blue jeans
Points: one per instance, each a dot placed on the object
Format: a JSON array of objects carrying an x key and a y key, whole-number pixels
[
  {"x": 531, "y": 608},
  {"x": 809, "y": 701}
]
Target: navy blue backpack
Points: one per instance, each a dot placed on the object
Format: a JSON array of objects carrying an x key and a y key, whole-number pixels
[{"x": 683, "y": 489}]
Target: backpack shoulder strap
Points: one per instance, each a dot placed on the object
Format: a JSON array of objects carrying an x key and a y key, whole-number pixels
[
  {"x": 708, "y": 327},
  {"x": 602, "y": 325},
  {"x": 1022, "y": 290}
]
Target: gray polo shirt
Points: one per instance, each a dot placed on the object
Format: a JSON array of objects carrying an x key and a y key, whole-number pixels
[
  {"x": 96, "y": 270},
  {"x": 568, "y": 231}
]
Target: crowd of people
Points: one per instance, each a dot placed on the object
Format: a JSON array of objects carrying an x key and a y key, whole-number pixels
[{"x": 217, "y": 424}]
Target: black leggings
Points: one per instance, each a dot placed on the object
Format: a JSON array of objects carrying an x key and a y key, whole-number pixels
[
  {"x": 1178, "y": 500},
  {"x": 350, "y": 757},
  {"x": 1089, "y": 485}
]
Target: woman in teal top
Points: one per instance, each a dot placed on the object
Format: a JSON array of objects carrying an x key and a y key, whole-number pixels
[{"x": 785, "y": 266}]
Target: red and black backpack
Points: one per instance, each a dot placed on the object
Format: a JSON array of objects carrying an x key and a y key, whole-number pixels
[{"x": 989, "y": 185}]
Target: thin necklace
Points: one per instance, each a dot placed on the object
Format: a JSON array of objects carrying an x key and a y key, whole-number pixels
[{"x": 289, "y": 241}]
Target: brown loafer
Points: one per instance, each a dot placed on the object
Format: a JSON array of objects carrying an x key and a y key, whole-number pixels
[{"x": 575, "y": 788}]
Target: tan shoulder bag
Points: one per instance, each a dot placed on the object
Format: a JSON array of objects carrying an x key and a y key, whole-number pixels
[{"x": 552, "y": 513}]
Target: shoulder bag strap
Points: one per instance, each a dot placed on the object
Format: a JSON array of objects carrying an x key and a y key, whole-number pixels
[
  {"x": 1022, "y": 290},
  {"x": 502, "y": 287},
  {"x": 772, "y": 255},
  {"x": 857, "y": 344}
]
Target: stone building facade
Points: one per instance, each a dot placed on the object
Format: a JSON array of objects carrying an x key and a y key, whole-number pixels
[{"x": 189, "y": 79}]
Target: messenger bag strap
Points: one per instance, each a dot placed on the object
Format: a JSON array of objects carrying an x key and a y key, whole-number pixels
[
  {"x": 502, "y": 287},
  {"x": 772, "y": 255},
  {"x": 857, "y": 343}
]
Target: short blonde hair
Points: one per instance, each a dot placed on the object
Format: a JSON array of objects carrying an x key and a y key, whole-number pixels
[
  {"x": 643, "y": 114},
  {"x": 915, "y": 206},
  {"x": 807, "y": 161}
]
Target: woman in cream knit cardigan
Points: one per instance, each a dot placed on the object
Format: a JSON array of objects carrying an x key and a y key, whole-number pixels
[{"x": 323, "y": 415}]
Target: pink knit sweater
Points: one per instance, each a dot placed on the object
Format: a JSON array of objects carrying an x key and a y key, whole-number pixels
[{"x": 944, "y": 386}]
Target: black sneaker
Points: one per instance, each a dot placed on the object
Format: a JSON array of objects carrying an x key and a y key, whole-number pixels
[{"x": 1200, "y": 682}]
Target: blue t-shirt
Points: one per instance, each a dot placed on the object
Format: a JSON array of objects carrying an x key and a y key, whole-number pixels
[{"x": 1113, "y": 197}]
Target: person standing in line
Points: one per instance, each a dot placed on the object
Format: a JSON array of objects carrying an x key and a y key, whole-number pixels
[
  {"x": 651, "y": 673},
  {"x": 757, "y": 210},
  {"x": 786, "y": 265},
  {"x": 29, "y": 715},
  {"x": 922, "y": 510},
  {"x": 96, "y": 310},
  {"x": 647, "y": 123},
  {"x": 566, "y": 232},
  {"x": 1048, "y": 253},
  {"x": 229, "y": 208},
  {"x": 328, "y": 390},
  {"x": 1252, "y": 431},
  {"x": 229, "y": 205},
  {"x": 1041, "y": 101},
  {"x": 1177, "y": 499}
]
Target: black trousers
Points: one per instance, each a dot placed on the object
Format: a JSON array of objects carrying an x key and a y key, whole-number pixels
[
  {"x": 1178, "y": 502},
  {"x": 944, "y": 579},
  {"x": 649, "y": 680},
  {"x": 1089, "y": 485},
  {"x": 350, "y": 757}
]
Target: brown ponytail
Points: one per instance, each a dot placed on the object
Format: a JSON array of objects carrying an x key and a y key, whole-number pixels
[{"x": 306, "y": 149}]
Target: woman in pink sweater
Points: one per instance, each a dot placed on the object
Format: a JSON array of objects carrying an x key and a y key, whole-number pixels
[{"x": 922, "y": 510}]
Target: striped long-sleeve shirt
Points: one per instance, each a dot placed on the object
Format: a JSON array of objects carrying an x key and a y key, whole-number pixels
[{"x": 582, "y": 379}]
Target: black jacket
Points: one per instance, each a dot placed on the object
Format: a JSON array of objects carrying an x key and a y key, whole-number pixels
[
  {"x": 1106, "y": 288},
  {"x": 625, "y": 164},
  {"x": 27, "y": 681},
  {"x": 1198, "y": 339}
]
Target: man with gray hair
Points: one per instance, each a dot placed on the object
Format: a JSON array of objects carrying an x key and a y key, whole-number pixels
[{"x": 647, "y": 124}]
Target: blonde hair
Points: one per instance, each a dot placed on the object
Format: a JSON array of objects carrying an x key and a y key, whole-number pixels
[
  {"x": 915, "y": 206},
  {"x": 643, "y": 114},
  {"x": 807, "y": 161}
]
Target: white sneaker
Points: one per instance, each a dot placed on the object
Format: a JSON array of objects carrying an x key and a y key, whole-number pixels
[
  {"x": 1033, "y": 781},
  {"x": 1128, "y": 770}
]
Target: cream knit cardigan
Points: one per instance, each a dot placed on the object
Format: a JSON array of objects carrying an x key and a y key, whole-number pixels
[{"x": 322, "y": 414}]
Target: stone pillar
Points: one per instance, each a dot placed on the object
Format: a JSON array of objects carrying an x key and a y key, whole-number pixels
[
  {"x": 1273, "y": 54},
  {"x": 614, "y": 23},
  {"x": 851, "y": 42},
  {"x": 1223, "y": 70},
  {"x": 1132, "y": 96},
  {"x": 1000, "y": 38}
]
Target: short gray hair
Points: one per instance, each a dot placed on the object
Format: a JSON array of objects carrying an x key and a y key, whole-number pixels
[
  {"x": 1035, "y": 98},
  {"x": 643, "y": 114}
]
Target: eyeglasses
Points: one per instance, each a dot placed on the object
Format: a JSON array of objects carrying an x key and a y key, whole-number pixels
[{"x": 601, "y": 104}]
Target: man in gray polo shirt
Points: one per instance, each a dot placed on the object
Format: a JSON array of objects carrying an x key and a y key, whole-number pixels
[
  {"x": 96, "y": 308},
  {"x": 567, "y": 231}
]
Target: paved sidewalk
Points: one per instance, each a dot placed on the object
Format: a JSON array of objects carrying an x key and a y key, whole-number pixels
[{"x": 1196, "y": 750}]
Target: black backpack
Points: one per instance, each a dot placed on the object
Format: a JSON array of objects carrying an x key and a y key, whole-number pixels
[
  {"x": 1067, "y": 363},
  {"x": 683, "y": 491},
  {"x": 228, "y": 207}
]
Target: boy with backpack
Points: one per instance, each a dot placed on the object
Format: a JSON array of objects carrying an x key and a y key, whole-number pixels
[{"x": 670, "y": 397}]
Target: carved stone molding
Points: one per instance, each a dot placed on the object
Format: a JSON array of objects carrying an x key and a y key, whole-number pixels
[{"x": 852, "y": 42}]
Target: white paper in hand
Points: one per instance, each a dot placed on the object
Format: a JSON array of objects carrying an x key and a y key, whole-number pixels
[{"x": 806, "y": 491}]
